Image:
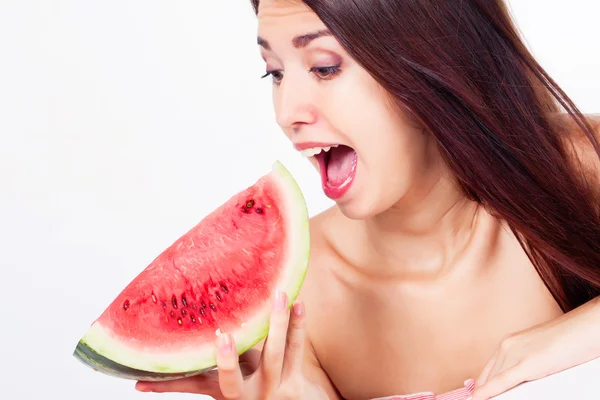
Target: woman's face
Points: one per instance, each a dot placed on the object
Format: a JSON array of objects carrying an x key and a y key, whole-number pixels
[{"x": 323, "y": 99}]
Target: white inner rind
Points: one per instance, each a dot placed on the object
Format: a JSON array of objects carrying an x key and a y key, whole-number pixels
[{"x": 202, "y": 354}]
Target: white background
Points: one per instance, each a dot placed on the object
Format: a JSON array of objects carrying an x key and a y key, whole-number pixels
[{"x": 122, "y": 123}]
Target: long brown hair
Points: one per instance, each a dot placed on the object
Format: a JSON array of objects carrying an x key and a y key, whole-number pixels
[{"x": 460, "y": 68}]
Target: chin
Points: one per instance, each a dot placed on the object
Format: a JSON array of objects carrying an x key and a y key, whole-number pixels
[
  {"x": 359, "y": 201},
  {"x": 350, "y": 211},
  {"x": 363, "y": 202},
  {"x": 359, "y": 205}
]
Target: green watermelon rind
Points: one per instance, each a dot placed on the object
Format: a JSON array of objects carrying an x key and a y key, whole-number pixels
[{"x": 100, "y": 351}]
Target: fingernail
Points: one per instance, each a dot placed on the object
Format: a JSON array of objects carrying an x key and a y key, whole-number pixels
[
  {"x": 280, "y": 300},
  {"x": 141, "y": 387},
  {"x": 225, "y": 344},
  {"x": 298, "y": 309}
]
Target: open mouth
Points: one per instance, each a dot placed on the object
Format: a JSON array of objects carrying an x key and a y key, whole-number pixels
[{"x": 337, "y": 165}]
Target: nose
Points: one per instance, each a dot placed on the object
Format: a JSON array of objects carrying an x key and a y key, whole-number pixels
[{"x": 294, "y": 105}]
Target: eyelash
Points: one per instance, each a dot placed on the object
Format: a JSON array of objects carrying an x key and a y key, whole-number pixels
[{"x": 331, "y": 72}]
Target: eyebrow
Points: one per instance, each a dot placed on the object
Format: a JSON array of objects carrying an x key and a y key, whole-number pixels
[{"x": 298, "y": 41}]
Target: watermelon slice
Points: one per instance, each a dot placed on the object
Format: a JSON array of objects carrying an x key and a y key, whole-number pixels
[{"x": 218, "y": 277}]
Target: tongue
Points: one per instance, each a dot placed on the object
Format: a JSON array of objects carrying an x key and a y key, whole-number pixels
[{"x": 342, "y": 160}]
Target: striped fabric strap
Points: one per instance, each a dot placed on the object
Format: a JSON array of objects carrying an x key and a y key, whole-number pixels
[{"x": 463, "y": 393}]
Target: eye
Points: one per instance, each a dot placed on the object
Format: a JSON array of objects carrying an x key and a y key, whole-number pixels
[
  {"x": 325, "y": 73},
  {"x": 276, "y": 76}
]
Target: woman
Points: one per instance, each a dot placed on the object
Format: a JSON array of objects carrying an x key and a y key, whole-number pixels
[{"x": 465, "y": 239}]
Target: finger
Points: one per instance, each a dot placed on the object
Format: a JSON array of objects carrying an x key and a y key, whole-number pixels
[
  {"x": 273, "y": 352},
  {"x": 294, "y": 351},
  {"x": 499, "y": 383},
  {"x": 502, "y": 364},
  {"x": 483, "y": 377},
  {"x": 194, "y": 384},
  {"x": 231, "y": 381}
]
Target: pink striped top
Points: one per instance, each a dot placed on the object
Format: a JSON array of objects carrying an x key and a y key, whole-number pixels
[{"x": 463, "y": 393}]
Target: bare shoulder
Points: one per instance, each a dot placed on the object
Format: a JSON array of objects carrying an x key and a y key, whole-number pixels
[
  {"x": 322, "y": 290},
  {"x": 314, "y": 294},
  {"x": 321, "y": 255}
]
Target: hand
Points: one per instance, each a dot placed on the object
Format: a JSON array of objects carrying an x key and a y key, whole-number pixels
[
  {"x": 543, "y": 350},
  {"x": 275, "y": 373}
]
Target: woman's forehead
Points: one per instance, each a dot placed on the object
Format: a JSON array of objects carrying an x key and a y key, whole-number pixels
[
  {"x": 286, "y": 18},
  {"x": 282, "y": 8}
]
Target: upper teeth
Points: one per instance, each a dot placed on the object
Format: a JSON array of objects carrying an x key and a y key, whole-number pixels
[{"x": 316, "y": 150}]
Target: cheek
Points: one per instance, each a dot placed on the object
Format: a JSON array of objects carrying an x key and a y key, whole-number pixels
[
  {"x": 404, "y": 150},
  {"x": 355, "y": 107},
  {"x": 345, "y": 98},
  {"x": 395, "y": 156}
]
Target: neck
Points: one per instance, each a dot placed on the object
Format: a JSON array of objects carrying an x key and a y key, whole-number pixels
[{"x": 425, "y": 232}]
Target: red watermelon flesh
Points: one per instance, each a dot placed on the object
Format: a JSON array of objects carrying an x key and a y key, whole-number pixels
[{"x": 220, "y": 276}]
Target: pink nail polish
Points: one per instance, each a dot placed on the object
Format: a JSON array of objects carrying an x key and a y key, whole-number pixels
[
  {"x": 225, "y": 344},
  {"x": 298, "y": 309},
  {"x": 140, "y": 387},
  {"x": 280, "y": 300}
]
